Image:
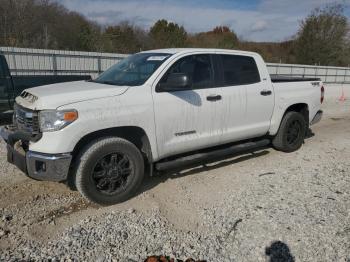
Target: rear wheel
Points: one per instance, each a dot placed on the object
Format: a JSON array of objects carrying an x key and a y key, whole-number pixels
[
  {"x": 110, "y": 170},
  {"x": 291, "y": 133}
]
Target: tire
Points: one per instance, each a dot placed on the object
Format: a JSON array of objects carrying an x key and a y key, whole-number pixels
[
  {"x": 291, "y": 134},
  {"x": 109, "y": 171}
]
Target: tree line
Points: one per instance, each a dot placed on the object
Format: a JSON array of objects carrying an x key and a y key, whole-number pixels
[{"x": 322, "y": 38}]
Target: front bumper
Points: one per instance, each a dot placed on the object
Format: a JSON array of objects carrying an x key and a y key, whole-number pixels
[
  {"x": 39, "y": 166},
  {"x": 317, "y": 117}
]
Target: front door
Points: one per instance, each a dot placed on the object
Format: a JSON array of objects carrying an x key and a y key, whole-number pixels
[{"x": 187, "y": 120}]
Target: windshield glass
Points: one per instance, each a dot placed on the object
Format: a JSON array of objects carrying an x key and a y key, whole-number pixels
[{"x": 133, "y": 70}]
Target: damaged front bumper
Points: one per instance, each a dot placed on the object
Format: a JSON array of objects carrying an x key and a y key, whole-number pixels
[{"x": 39, "y": 166}]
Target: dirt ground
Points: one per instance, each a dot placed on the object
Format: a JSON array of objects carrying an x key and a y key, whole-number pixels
[{"x": 298, "y": 203}]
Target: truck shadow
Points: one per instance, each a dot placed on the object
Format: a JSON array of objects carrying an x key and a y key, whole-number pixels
[
  {"x": 210, "y": 164},
  {"x": 309, "y": 134},
  {"x": 160, "y": 177}
]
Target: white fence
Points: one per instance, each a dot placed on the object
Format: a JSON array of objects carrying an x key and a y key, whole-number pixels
[
  {"x": 328, "y": 74},
  {"x": 27, "y": 61}
]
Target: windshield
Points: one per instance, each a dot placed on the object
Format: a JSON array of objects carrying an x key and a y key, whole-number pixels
[{"x": 133, "y": 70}]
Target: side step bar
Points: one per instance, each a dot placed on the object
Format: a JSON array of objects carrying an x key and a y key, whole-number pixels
[{"x": 199, "y": 157}]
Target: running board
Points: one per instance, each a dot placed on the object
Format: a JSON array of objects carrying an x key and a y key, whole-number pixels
[{"x": 199, "y": 157}]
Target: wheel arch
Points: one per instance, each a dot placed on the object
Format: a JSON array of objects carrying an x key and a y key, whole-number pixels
[
  {"x": 280, "y": 113},
  {"x": 134, "y": 134},
  {"x": 302, "y": 108}
]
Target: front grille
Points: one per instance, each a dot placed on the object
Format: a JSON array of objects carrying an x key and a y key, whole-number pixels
[{"x": 26, "y": 120}]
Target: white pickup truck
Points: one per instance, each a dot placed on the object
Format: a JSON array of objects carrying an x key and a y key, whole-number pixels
[{"x": 153, "y": 111}]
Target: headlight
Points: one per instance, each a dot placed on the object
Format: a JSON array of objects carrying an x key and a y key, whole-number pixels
[{"x": 53, "y": 120}]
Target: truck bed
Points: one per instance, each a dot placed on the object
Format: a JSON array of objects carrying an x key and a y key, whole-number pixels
[{"x": 281, "y": 79}]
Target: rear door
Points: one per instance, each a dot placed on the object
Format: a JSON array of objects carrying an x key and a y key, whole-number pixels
[
  {"x": 187, "y": 120},
  {"x": 233, "y": 106},
  {"x": 247, "y": 106},
  {"x": 260, "y": 95}
]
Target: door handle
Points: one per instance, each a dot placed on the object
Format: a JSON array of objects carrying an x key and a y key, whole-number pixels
[
  {"x": 213, "y": 98},
  {"x": 266, "y": 92}
]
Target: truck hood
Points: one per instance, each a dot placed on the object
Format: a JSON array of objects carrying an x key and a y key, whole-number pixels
[{"x": 56, "y": 95}]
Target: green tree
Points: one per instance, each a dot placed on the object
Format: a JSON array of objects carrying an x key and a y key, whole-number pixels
[
  {"x": 87, "y": 37},
  {"x": 322, "y": 37},
  {"x": 165, "y": 34}
]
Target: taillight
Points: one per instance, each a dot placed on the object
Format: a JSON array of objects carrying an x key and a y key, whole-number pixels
[{"x": 322, "y": 94}]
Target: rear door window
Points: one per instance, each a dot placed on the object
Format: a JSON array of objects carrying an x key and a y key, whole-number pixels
[{"x": 239, "y": 70}]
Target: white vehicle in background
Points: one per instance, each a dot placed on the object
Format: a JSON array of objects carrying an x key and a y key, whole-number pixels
[{"x": 153, "y": 111}]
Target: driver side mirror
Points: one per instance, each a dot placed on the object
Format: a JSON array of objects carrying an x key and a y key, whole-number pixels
[{"x": 175, "y": 82}]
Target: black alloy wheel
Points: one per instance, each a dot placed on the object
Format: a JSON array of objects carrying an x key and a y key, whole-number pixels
[
  {"x": 109, "y": 170},
  {"x": 111, "y": 173},
  {"x": 291, "y": 133},
  {"x": 294, "y": 132}
]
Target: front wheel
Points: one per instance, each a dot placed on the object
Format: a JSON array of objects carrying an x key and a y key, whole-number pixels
[
  {"x": 291, "y": 133},
  {"x": 110, "y": 170}
]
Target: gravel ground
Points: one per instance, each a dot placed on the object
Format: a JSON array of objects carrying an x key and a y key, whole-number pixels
[{"x": 253, "y": 207}]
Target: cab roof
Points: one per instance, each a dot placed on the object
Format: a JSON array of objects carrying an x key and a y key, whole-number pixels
[{"x": 189, "y": 50}]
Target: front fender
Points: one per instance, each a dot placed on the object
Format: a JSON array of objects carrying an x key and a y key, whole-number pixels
[{"x": 96, "y": 115}]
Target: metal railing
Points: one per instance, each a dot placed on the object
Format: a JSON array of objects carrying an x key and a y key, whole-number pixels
[
  {"x": 55, "y": 62},
  {"x": 328, "y": 74},
  {"x": 25, "y": 61}
]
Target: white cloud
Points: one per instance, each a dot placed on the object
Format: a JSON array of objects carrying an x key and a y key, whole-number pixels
[
  {"x": 259, "y": 26},
  {"x": 273, "y": 20}
]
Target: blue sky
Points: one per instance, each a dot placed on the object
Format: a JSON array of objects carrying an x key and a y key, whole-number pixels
[{"x": 256, "y": 20}]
